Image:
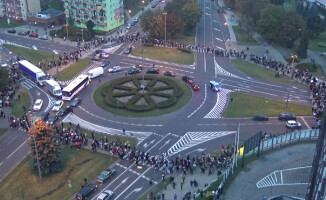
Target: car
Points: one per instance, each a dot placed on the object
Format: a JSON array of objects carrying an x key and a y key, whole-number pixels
[
  {"x": 152, "y": 70},
  {"x": 194, "y": 86},
  {"x": 105, "y": 55},
  {"x": 3, "y": 63},
  {"x": 99, "y": 51},
  {"x": 260, "y": 117},
  {"x": 291, "y": 124},
  {"x": 57, "y": 105},
  {"x": 38, "y": 105},
  {"x": 286, "y": 116},
  {"x": 128, "y": 50},
  {"x": 128, "y": 26},
  {"x": 136, "y": 34},
  {"x": 23, "y": 33},
  {"x": 188, "y": 79},
  {"x": 169, "y": 73},
  {"x": 65, "y": 110},
  {"x": 14, "y": 61},
  {"x": 106, "y": 195},
  {"x": 138, "y": 66},
  {"x": 105, "y": 175},
  {"x": 86, "y": 191},
  {"x": 11, "y": 31},
  {"x": 105, "y": 63},
  {"x": 45, "y": 116},
  {"x": 43, "y": 37},
  {"x": 134, "y": 70},
  {"x": 96, "y": 57},
  {"x": 154, "y": 5},
  {"x": 35, "y": 35},
  {"x": 115, "y": 69},
  {"x": 52, "y": 119},
  {"x": 75, "y": 102},
  {"x": 136, "y": 19},
  {"x": 133, "y": 23}
]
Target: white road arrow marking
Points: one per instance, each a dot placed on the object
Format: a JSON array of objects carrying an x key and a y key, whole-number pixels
[
  {"x": 218, "y": 39},
  {"x": 145, "y": 145},
  {"x": 34, "y": 47},
  {"x": 199, "y": 150},
  {"x": 217, "y": 29},
  {"x": 134, "y": 191},
  {"x": 167, "y": 142},
  {"x": 151, "y": 142},
  {"x": 122, "y": 182}
]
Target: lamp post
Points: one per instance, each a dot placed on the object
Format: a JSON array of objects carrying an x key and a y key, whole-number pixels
[
  {"x": 165, "y": 28},
  {"x": 293, "y": 57},
  {"x": 82, "y": 34},
  {"x": 66, "y": 25}
]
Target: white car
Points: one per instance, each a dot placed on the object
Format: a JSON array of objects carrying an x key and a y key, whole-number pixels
[
  {"x": 58, "y": 105},
  {"x": 106, "y": 195},
  {"x": 128, "y": 26},
  {"x": 105, "y": 55},
  {"x": 38, "y": 105},
  {"x": 3, "y": 63},
  {"x": 291, "y": 124},
  {"x": 114, "y": 69}
]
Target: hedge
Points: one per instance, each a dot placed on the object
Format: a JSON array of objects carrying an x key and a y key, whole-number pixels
[
  {"x": 184, "y": 50},
  {"x": 307, "y": 67}
]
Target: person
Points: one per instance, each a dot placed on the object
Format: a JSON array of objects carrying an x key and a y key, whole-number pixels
[{"x": 175, "y": 196}]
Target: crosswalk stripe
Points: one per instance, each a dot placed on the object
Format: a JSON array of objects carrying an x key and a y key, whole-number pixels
[{"x": 221, "y": 103}]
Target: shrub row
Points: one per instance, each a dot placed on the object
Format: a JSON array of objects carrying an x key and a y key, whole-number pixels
[
  {"x": 322, "y": 44},
  {"x": 184, "y": 50},
  {"x": 307, "y": 67}
]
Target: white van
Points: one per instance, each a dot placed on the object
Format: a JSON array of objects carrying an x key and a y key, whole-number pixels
[{"x": 93, "y": 73}]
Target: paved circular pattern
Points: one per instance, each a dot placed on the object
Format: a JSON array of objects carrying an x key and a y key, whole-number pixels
[{"x": 146, "y": 95}]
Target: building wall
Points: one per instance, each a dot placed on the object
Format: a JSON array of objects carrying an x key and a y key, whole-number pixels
[
  {"x": 34, "y": 6},
  {"x": 321, "y": 3},
  {"x": 16, "y": 10}
]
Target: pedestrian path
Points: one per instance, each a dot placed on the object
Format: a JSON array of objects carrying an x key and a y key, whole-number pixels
[
  {"x": 221, "y": 103},
  {"x": 191, "y": 139}
]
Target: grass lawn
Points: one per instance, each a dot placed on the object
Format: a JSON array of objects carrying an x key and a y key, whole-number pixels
[
  {"x": 169, "y": 54},
  {"x": 131, "y": 141},
  {"x": 314, "y": 69},
  {"x": 22, "y": 183},
  {"x": 313, "y": 43},
  {"x": 261, "y": 72},
  {"x": 17, "y": 105},
  {"x": 245, "y": 105},
  {"x": 72, "y": 70},
  {"x": 99, "y": 100},
  {"x": 242, "y": 37},
  {"x": 4, "y": 24},
  {"x": 34, "y": 56},
  {"x": 181, "y": 38},
  {"x": 3, "y": 131}
]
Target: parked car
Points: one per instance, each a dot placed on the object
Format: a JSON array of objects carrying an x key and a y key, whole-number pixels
[
  {"x": 169, "y": 73},
  {"x": 260, "y": 117},
  {"x": 57, "y": 105},
  {"x": 99, "y": 51},
  {"x": 114, "y": 69},
  {"x": 105, "y": 55},
  {"x": 75, "y": 102},
  {"x": 14, "y": 61},
  {"x": 291, "y": 124},
  {"x": 11, "y": 31},
  {"x": 152, "y": 70},
  {"x": 105, "y": 175},
  {"x": 128, "y": 26},
  {"x": 286, "y": 116},
  {"x": 188, "y": 79},
  {"x": 43, "y": 37},
  {"x": 128, "y": 50},
  {"x": 138, "y": 66},
  {"x": 106, "y": 195},
  {"x": 23, "y": 33},
  {"x": 136, "y": 34},
  {"x": 105, "y": 63},
  {"x": 133, "y": 23},
  {"x": 35, "y": 35},
  {"x": 45, "y": 116},
  {"x": 3, "y": 63},
  {"x": 52, "y": 119},
  {"x": 96, "y": 57},
  {"x": 38, "y": 105},
  {"x": 195, "y": 86},
  {"x": 86, "y": 191},
  {"x": 134, "y": 70},
  {"x": 136, "y": 19},
  {"x": 65, "y": 110}
]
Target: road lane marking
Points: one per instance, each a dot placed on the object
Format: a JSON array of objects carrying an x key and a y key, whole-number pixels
[
  {"x": 16, "y": 150},
  {"x": 201, "y": 105},
  {"x": 304, "y": 121},
  {"x": 1, "y": 163},
  {"x": 12, "y": 140}
]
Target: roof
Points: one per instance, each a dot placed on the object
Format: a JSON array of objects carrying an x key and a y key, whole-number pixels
[
  {"x": 214, "y": 83},
  {"x": 48, "y": 13}
]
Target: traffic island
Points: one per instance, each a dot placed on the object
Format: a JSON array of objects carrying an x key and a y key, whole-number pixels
[
  {"x": 142, "y": 96},
  {"x": 73, "y": 70},
  {"x": 21, "y": 102}
]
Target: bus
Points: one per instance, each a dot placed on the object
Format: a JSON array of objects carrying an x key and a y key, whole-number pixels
[
  {"x": 215, "y": 86},
  {"x": 75, "y": 87}
]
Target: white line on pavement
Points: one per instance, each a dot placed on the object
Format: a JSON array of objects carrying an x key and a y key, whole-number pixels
[
  {"x": 158, "y": 142},
  {"x": 16, "y": 150},
  {"x": 1, "y": 163},
  {"x": 12, "y": 140},
  {"x": 305, "y": 122},
  {"x": 200, "y": 104}
]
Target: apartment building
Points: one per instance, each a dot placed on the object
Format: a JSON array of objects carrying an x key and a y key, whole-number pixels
[
  {"x": 17, "y": 10},
  {"x": 321, "y": 3},
  {"x": 106, "y": 14}
]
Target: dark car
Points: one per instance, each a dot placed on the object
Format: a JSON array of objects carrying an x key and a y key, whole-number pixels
[
  {"x": 75, "y": 102},
  {"x": 153, "y": 70},
  {"x": 260, "y": 117},
  {"x": 65, "y": 110},
  {"x": 136, "y": 34},
  {"x": 52, "y": 119},
  {"x": 128, "y": 50},
  {"x": 169, "y": 73},
  {"x": 195, "y": 86},
  {"x": 98, "y": 51},
  {"x": 105, "y": 63},
  {"x": 86, "y": 191},
  {"x": 133, "y": 23},
  {"x": 33, "y": 35},
  {"x": 188, "y": 79},
  {"x": 105, "y": 175},
  {"x": 286, "y": 116},
  {"x": 14, "y": 61},
  {"x": 134, "y": 70},
  {"x": 24, "y": 33},
  {"x": 11, "y": 31},
  {"x": 45, "y": 116}
]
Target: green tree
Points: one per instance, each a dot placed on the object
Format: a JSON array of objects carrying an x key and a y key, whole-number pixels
[
  {"x": 230, "y": 4},
  {"x": 90, "y": 27},
  {"x": 47, "y": 148},
  {"x": 252, "y": 8},
  {"x": 278, "y": 2},
  {"x": 303, "y": 46},
  {"x": 314, "y": 22},
  {"x": 291, "y": 29},
  {"x": 173, "y": 24},
  {"x": 4, "y": 80},
  {"x": 44, "y": 4},
  {"x": 175, "y": 6},
  {"x": 146, "y": 20},
  {"x": 157, "y": 27},
  {"x": 191, "y": 14}
]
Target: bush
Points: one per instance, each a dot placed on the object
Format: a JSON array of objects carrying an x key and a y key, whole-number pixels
[
  {"x": 165, "y": 104},
  {"x": 310, "y": 67},
  {"x": 322, "y": 44},
  {"x": 184, "y": 50}
]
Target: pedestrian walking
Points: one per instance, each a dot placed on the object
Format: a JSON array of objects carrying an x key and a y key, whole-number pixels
[
  {"x": 175, "y": 196},
  {"x": 163, "y": 196},
  {"x": 123, "y": 131},
  {"x": 173, "y": 185},
  {"x": 181, "y": 185}
]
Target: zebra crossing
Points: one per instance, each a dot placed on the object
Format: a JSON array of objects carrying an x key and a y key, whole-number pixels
[
  {"x": 191, "y": 139},
  {"x": 221, "y": 103},
  {"x": 221, "y": 71},
  {"x": 28, "y": 84}
]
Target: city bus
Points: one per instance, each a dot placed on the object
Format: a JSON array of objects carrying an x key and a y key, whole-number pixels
[
  {"x": 75, "y": 87},
  {"x": 215, "y": 86}
]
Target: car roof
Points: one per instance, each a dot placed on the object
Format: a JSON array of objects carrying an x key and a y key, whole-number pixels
[
  {"x": 214, "y": 82},
  {"x": 38, "y": 100},
  {"x": 292, "y": 121}
]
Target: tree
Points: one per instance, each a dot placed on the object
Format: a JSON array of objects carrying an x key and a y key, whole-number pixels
[
  {"x": 175, "y": 6},
  {"x": 314, "y": 22},
  {"x": 252, "y": 8},
  {"x": 173, "y": 24},
  {"x": 146, "y": 20},
  {"x": 191, "y": 14},
  {"x": 90, "y": 27},
  {"x": 303, "y": 46},
  {"x": 47, "y": 147},
  {"x": 278, "y": 2},
  {"x": 157, "y": 27},
  {"x": 4, "y": 80},
  {"x": 248, "y": 25}
]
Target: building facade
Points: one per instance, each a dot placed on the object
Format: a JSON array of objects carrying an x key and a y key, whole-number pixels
[
  {"x": 47, "y": 18},
  {"x": 17, "y": 10},
  {"x": 321, "y": 3},
  {"x": 106, "y": 14}
]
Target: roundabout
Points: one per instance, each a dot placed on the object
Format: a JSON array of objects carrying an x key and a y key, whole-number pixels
[{"x": 142, "y": 96}]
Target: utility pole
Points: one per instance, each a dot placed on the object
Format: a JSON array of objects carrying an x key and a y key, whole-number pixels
[
  {"x": 287, "y": 100},
  {"x": 237, "y": 147},
  {"x": 165, "y": 28},
  {"x": 37, "y": 158},
  {"x": 82, "y": 34}
]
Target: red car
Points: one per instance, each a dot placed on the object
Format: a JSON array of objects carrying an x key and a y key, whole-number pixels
[
  {"x": 194, "y": 86},
  {"x": 33, "y": 35}
]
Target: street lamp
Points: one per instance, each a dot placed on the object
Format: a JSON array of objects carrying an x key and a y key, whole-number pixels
[
  {"x": 66, "y": 25},
  {"x": 129, "y": 11},
  {"x": 165, "y": 28},
  {"x": 293, "y": 57}
]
